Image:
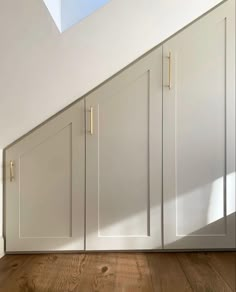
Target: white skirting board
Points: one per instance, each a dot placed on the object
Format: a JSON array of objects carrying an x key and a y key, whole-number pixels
[{"x": 2, "y": 253}]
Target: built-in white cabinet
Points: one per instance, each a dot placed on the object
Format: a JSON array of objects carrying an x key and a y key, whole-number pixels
[
  {"x": 199, "y": 134},
  {"x": 45, "y": 186},
  {"x": 124, "y": 159},
  {"x": 144, "y": 162}
]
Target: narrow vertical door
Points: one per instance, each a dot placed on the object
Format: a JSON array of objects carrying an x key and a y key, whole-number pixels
[
  {"x": 124, "y": 159},
  {"x": 45, "y": 174},
  {"x": 199, "y": 134}
]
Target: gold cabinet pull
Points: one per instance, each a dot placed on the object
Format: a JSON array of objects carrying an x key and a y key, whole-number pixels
[
  {"x": 91, "y": 120},
  {"x": 12, "y": 177},
  {"x": 170, "y": 70}
]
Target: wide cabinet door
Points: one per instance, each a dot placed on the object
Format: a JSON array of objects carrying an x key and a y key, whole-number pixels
[
  {"x": 124, "y": 159},
  {"x": 199, "y": 134},
  {"x": 45, "y": 186}
]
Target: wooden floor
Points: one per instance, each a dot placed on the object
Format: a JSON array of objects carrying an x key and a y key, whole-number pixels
[{"x": 125, "y": 272}]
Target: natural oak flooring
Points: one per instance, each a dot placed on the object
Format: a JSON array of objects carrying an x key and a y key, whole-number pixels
[{"x": 124, "y": 272}]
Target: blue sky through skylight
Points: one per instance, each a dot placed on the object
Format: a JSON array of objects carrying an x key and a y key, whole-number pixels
[{"x": 68, "y": 12}]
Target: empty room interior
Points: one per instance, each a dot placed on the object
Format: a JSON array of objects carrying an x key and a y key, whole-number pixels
[{"x": 117, "y": 146}]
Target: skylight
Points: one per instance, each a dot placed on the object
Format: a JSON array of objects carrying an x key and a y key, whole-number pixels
[{"x": 66, "y": 13}]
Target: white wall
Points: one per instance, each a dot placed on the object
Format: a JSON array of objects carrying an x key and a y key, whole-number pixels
[{"x": 42, "y": 70}]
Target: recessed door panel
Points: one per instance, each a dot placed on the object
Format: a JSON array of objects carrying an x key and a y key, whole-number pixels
[
  {"x": 198, "y": 120},
  {"x": 45, "y": 198},
  {"x": 124, "y": 195},
  {"x": 124, "y": 160},
  {"x": 47, "y": 192}
]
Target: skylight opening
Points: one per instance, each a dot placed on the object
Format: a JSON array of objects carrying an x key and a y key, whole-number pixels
[{"x": 66, "y": 13}]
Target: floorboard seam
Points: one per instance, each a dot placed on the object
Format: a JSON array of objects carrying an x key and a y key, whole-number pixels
[
  {"x": 219, "y": 274},
  {"x": 184, "y": 272},
  {"x": 150, "y": 272}
]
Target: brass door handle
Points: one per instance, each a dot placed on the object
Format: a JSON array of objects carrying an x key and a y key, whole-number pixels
[
  {"x": 170, "y": 70},
  {"x": 12, "y": 177},
  {"x": 91, "y": 121}
]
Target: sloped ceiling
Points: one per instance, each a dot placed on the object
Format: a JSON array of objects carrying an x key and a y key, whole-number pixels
[{"x": 42, "y": 70}]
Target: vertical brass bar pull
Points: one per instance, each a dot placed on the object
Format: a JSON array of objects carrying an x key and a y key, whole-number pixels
[
  {"x": 12, "y": 171},
  {"x": 170, "y": 70},
  {"x": 91, "y": 120}
]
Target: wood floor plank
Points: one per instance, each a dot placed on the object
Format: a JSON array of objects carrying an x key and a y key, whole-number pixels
[
  {"x": 225, "y": 264},
  {"x": 132, "y": 273},
  {"x": 167, "y": 273},
  {"x": 45, "y": 273},
  {"x": 118, "y": 272},
  {"x": 68, "y": 273},
  {"x": 10, "y": 265},
  {"x": 200, "y": 274},
  {"x": 121, "y": 272},
  {"x": 24, "y": 278},
  {"x": 98, "y": 273}
]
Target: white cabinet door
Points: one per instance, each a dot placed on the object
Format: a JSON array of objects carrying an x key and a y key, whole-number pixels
[
  {"x": 199, "y": 134},
  {"x": 124, "y": 159},
  {"x": 45, "y": 200}
]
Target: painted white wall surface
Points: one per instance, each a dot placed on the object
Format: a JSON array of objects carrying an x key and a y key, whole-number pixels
[{"x": 42, "y": 71}]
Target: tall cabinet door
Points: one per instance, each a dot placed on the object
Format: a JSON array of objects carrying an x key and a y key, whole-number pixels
[
  {"x": 45, "y": 174},
  {"x": 199, "y": 134},
  {"x": 124, "y": 158}
]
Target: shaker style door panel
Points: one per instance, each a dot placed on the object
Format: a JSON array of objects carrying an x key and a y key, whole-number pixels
[
  {"x": 199, "y": 134},
  {"x": 45, "y": 186},
  {"x": 124, "y": 159}
]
